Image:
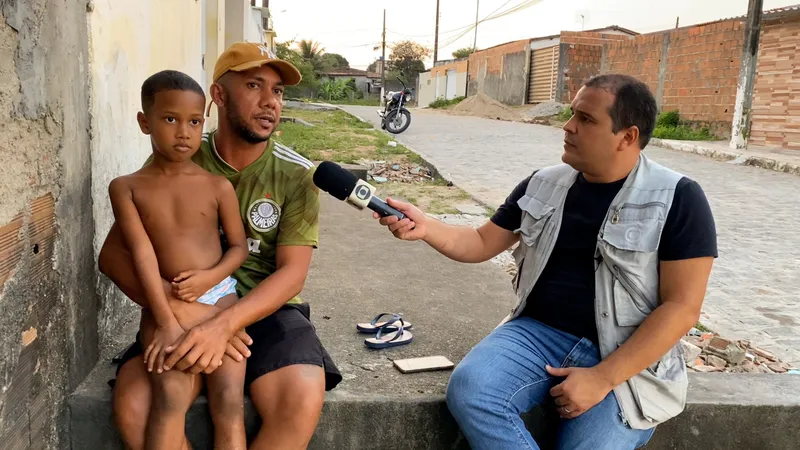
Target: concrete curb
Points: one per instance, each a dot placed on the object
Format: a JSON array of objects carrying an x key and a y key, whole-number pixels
[
  {"x": 723, "y": 411},
  {"x": 729, "y": 155}
]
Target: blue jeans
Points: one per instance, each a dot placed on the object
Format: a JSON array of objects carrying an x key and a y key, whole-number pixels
[{"x": 504, "y": 376}]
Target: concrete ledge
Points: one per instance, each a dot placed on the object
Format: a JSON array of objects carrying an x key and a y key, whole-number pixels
[
  {"x": 714, "y": 150},
  {"x": 725, "y": 411}
]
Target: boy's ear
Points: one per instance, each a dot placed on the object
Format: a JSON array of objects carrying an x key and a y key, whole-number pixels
[{"x": 142, "y": 119}]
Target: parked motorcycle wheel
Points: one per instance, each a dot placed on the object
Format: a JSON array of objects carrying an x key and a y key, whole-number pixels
[{"x": 392, "y": 119}]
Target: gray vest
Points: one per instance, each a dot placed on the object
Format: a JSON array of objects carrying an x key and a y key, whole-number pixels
[{"x": 626, "y": 275}]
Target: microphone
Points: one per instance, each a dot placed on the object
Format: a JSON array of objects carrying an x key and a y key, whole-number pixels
[{"x": 343, "y": 185}]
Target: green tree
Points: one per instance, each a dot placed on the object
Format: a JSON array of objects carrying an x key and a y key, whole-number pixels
[
  {"x": 463, "y": 52},
  {"x": 312, "y": 52},
  {"x": 373, "y": 67},
  {"x": 407, "y": 58},
  {"x": 334, "y": 61},
  {"x": 309, "y": 83}
]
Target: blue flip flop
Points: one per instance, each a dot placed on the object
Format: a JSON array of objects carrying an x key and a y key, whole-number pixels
[
  {"x": 374, "y": 326},
  {"x": 393, "y": 339}
]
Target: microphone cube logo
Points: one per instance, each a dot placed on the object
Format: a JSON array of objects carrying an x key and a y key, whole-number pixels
[
  {"x": 363, "y": 192},
  {"x": 263, "y": 215}
]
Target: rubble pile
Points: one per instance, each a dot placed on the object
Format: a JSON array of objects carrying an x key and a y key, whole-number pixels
[
  {"x": 383, "y": 172},
  {"x": 707, "y": 352}
]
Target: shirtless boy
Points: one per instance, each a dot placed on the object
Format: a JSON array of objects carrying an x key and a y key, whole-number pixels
[{"x": 169, "y": 213}]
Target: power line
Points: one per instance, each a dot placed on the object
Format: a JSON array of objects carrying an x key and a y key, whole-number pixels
[{"x": 514, "y": 9}]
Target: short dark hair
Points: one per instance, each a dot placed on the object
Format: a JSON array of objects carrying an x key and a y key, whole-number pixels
[
  {"x": 634, "y": 104},
  {"x": 167, "y": 80}
]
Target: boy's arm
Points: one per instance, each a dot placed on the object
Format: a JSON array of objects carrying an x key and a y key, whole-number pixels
[
  {"x": 192, "y": 284},
  {"x": 144, "y": 256}
]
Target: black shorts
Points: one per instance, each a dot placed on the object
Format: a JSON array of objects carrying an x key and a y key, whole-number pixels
[{"x": 285, "y": 338}]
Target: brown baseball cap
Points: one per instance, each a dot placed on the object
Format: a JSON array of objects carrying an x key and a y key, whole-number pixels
[{"x": 242, "y": 56}]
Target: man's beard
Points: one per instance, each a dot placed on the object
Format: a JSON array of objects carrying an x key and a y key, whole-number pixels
[{"x": 240, "y": 127}]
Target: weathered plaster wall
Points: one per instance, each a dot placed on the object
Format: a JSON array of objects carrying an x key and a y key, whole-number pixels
[
  {"x": 48, "y": 333},
  {"x": 129, "y": 42}
]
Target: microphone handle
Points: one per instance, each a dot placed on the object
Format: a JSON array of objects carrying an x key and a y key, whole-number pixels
[{"x": 380, "y": 207}]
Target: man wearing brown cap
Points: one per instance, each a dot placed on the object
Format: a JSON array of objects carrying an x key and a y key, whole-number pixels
[{"x": 288, "y": 369}]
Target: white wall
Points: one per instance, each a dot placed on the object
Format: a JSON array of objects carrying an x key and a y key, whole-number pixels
[
  {"x": 129, "y": 41},
  {"x": 253, "y": 30},
  {"x": 237, "y": 16}
]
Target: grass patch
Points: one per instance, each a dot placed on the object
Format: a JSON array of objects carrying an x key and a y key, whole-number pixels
[
  {"x": 669, "y": 126},
  {"x": 432, "y": 198},
  {"x": 702, "y": 328},
  {"x": 337, "y": 136},
  {"x": 440, "y": 102},
  {"x": 564, "y": 115},
  {"x": 683, "y": 133},
  {"x": 373, "y": 101}
]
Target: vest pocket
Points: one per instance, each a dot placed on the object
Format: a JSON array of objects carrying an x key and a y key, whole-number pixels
[
  {"x": 534, "y": 218},
  {"x": 630, "y": 303},
  {"x": 661, "y": 393}
]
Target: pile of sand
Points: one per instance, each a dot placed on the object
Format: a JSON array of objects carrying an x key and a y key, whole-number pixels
[
  {"x": 545, "y": 109},
  {"x": 482, "y": 105}
]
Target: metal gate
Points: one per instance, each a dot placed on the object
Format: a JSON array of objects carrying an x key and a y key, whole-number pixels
[{"x": 543, "y": 74}]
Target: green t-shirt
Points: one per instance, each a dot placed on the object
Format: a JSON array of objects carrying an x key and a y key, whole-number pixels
[{"x": 278, "y": 202}]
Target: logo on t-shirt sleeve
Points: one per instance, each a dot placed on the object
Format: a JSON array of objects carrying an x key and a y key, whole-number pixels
[{"x": 263, "y": 215}]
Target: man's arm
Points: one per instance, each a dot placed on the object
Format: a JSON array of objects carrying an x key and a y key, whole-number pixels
[
  {"x": 459, "y": 243},
  {"x": 683, "y": 288},
  {"x": 192, "y": 284}
]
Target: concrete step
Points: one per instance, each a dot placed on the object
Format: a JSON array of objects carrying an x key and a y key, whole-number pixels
[{"x": 725, "y": 411}]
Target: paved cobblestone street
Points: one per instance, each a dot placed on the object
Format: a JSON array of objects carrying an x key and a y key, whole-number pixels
[{"x": 753, "y": 289}]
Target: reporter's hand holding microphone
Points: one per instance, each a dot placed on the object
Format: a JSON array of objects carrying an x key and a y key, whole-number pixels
[
  {"x": 412, "y": 228},
  {"x": 404, "y": 220}
]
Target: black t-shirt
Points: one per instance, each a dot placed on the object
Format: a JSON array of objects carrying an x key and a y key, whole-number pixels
[{"x": 563, "y": 296}]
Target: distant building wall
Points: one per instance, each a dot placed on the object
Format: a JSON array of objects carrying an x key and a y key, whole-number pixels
[
  {"x": 776, "y": 96},
  {"x": 501, "y": 72},
  {"x": 693, "y": 70}
]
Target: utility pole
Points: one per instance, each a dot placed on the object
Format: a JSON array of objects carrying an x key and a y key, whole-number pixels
[
  {"x": 678, "y": 22},
  {"x": 436, "y": 36},
  {"x": 742, "y": 109},
  {"x": 383, "y": 59},
  {"x": 475, "y": 42}
]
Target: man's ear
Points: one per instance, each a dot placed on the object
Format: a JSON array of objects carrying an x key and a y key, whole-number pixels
[
  {"x": 143, "y": 125},
  {"x": 631, "y": 137},
  {"x": 217, "y": 95}
]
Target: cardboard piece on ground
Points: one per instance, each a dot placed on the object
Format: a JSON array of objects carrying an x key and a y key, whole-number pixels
[{"x": 424, "y": 364}]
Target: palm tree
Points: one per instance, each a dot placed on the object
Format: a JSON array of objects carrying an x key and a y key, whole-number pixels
[{"x": 310, "y": 50}]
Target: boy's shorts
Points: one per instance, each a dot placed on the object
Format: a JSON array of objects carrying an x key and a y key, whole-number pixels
[{"x": 225, "y": 287}]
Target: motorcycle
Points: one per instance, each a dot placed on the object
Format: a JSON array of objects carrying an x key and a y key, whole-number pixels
[{"x": 395, "y": 118}]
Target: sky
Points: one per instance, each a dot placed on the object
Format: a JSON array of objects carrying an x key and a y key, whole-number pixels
[{"x": 352, "y": 28}]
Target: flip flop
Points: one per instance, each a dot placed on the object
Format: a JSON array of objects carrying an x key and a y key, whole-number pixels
[
  {"x": 374, "y": 326},
  {"x": 393, "y": 339}
]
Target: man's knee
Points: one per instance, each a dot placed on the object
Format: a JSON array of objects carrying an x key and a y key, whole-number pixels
[{"x": 464, "y": 388}]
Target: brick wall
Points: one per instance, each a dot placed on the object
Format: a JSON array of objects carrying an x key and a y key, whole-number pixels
[
  {"x": 580, "y": 62},
  {"x": 776, "y": 96},
  {"x": 492, "y": 58},
  {"x": 580, "y": 58},
  {"x": 590, "y": 38},
  {"x": 698, "y": 76},
  {"x": 460, "y": 67}
]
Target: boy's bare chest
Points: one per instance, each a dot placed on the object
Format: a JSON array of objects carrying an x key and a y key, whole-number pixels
[{"x": 177, "y": 205}]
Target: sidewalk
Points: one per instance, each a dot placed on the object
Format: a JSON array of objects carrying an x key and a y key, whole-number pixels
[{"x": 771, "y": 158}]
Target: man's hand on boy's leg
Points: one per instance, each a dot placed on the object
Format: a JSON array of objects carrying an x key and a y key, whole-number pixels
[{"x": 190, "y": 315}]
